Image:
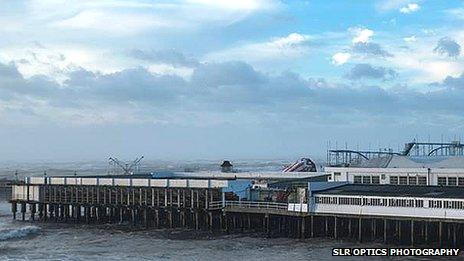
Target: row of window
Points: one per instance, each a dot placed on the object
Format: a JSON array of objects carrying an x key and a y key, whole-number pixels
[
  {"x": 450, "y": 181},
  {"x": 394, "y": 180},
  {"x": 374, "y": 179},
  {"x": 390, "y": 202},
  {"x": 409, "y": 180}
]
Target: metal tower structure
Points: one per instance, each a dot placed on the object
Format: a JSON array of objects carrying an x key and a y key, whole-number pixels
[{"x": 127, "y": 168}]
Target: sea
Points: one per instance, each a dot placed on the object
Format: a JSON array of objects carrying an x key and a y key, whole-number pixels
[{"x": 50, "y": 241}]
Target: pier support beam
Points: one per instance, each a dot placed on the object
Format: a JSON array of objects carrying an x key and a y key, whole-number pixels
[
  {"x": 412, "y": 232},
  {"x": 426, "y": 232},
  {"x": 23, "y": 211},
  {"x": 360, "y": 230},
  {"x": 385, "y": 228},
  {"x": 14, "y": 209},
  {"x": 335, "y": 228},
  {"x": 41, "y": 209},
  {"x": 374, "y": 228},
  {"x": 440, "y": 232},
  {"x": 350, "y": 233},
  {"x": 157, "y": 222},
  {"x": 33, "y": 211},
  {"x": 312, "y": 225}
]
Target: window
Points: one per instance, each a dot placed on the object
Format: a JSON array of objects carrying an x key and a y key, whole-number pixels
[
  {"x": 452, "y": 181},
  {"x": 393, "y": 180},
  {"x": 412, "y": 180},
  {"x": 357, "y": 179},
  {"x": 366, "y": 179},
  {"x": 441, "y": 181},
  {"x": 461, "y": 181},
  {"x": 423, "y": 181},
  {"x": 375, "y": 180},
  {"x": 403, "y": 180}
]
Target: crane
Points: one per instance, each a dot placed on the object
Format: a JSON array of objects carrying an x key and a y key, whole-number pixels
[{"x": 128, "y": 168}]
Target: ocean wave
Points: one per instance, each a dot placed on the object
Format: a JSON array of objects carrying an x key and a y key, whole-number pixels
[{"x": 16, "y": 233}]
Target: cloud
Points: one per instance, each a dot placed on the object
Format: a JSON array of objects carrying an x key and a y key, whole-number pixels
[
  {"x": 410, "y": 39},
  {"x": 169, "y": 56},
  {"x": 425, "y": 65},
  {"x": 226, "y": 74},
  {"x": 114, "y": 22},
  {"x": 370, "y": 49},
  {"x": 291, "y": 40},
  {"x": 293, "y": 45},
  {"x": 122, "y": 18},
  {"x": 453, "y": 82},
  {"x": 449, "y": 47},
  {"x": 241, "y": 5},
  {"x": 361, "y": 35},
  {"x": 389, "y": 5},
  {"x": 457, "y": 13},
  {"x": 217, "y": 94},
  {"x": 409, "y": 8},
  {"x": 367, "y": 71},
  {"x": 340, "y": 58}
]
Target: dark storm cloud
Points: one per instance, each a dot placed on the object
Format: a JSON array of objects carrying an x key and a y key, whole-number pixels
[
  {"x": 370, "y": 49},
  {"x": 135, "y": 85},
  {"x": 235, "y": 87},
  {"x": 367, "y": 71},
  {"x": 448, "y": 46},
  {"x": 13, "y": 83},
  {"x": 227, "y": 73},
  {"x": 164, "y": 56}
]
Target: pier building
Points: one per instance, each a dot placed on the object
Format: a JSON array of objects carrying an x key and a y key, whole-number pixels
[
  {"x": 453, "y": 177},
  {"x": 425, "y": 164}
]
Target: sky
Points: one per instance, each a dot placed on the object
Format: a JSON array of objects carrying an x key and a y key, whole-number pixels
[{"x": 218, "y": 79}]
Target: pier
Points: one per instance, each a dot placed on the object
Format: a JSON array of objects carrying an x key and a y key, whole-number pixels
[
  {"x": 422, "y": 216},
  {"x": 275, "y": 220},
  {"x": 138, "y": 201}
]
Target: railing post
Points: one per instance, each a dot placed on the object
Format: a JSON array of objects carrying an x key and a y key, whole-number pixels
[{"x": 223, "y": 199}]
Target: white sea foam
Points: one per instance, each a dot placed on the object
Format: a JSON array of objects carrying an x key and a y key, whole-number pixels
[{"x": 15, "y": 233}]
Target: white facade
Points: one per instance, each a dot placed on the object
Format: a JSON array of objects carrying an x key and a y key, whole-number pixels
[
  {"x": 397, "y": 176},
  {"x": 127, "y": 182},
  {"x": 418, "y": 207}
]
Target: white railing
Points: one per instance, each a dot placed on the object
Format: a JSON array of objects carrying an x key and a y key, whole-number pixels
[
  {"x": 256, "y": 205},
  {"x": 215, "y": 205},
  {"x": 454, "y": 208}
]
